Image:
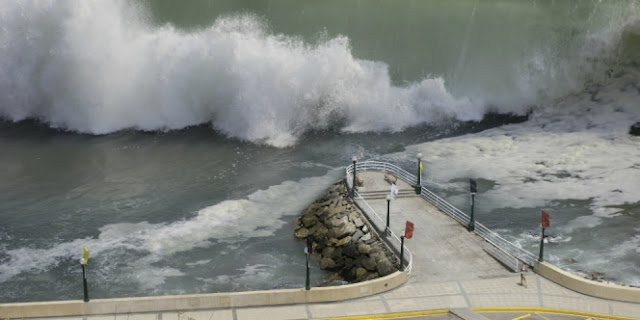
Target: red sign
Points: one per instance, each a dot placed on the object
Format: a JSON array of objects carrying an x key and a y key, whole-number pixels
[
  {"x": 545, "y": 219},
  {"x": 408, "y": 230}
]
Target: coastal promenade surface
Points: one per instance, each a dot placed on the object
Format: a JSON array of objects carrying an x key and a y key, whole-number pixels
[{"x": 451, "y": 272}]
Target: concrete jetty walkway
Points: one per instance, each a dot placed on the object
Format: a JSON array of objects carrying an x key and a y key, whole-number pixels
[{"x": 450, "y": 271}]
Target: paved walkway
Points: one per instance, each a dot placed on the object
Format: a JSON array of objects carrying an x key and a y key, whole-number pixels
[{"x": 450, "y": 271}]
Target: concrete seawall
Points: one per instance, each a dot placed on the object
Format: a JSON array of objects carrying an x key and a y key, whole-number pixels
[
  {"x": 588, "y": 287},
  {"x": 202, "y": 301}
]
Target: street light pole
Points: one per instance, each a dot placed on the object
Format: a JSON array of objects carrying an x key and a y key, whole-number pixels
[
  {"x": 388, "y": 230},
  {"x": 402, "y": 253},
  {"x": 84, "y": 282},
  {"x": 472, "y": 223},
  {"x": 308, "y": 251},
  {"x": 541, "y": 258},
  {"x": 418, "y": 187},
  {"x": 473, "y": 189}
]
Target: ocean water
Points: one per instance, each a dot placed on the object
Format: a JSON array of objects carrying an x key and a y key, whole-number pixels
[{"x": 177, "y": 142}]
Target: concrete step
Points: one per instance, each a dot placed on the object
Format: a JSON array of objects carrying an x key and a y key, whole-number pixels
[{"x": 373, "y": 195}]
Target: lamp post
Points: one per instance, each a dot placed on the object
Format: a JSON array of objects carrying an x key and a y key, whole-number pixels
[
  {"x": 541, "y": 256},
  {"x": 388, "y": 230},
  {"x": 545, "y": 224},
  {"x": 84, "y": 282},
  {"x": 308, "y": 251},
  {"x": 473, "y": 189},
  {"x": 83, "y": 262},
  {"x": 402, "y": 253},
  {"x": 353, "y": 188},
  {"x": 418, "y": 187}
]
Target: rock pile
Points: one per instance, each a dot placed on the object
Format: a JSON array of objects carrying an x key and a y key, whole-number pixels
[{"x": 343, "y": 239}]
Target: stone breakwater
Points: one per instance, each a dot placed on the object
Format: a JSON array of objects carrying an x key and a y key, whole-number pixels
[{"x": 343, "y": 239}]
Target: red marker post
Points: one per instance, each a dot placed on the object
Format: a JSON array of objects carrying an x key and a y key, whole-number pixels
[
  {"x": 408, "y": 233},
  {"x": 545, "y": 224}
]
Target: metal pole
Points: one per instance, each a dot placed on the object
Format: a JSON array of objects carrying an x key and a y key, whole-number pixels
[
  {"x": 84, "y": 283},
  {"x": 418, "y": 187},
  {"x": 307, "y": 285},
  {"x": 401, "y": 253},
  {"x": 540, "y": 258},
  {"x": 353, "y": 189},
  {"x": 472, "y": 224},
  {"x": 388, "y": 230}
]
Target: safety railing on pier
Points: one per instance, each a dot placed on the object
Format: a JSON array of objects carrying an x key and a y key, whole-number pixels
[
  {"x": 486, "y": 233},
  {"x": 375, "y": 219}
]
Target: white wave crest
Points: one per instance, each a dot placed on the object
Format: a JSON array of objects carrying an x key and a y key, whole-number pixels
[{"x": 96, "y": 67}]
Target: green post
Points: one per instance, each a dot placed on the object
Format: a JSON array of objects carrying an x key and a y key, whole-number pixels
[
  {"x": 540, "y": 258},
  {"x": 472, "y": 223},
  {"x": 307, "y": 285},
  {"x": 401, "y": 253},
  {"x": 308, "y": 250},
  {"x": 388, "y": 229},
  {"x": 418, "y": 187},
  {"x": 84, "y": 282}
]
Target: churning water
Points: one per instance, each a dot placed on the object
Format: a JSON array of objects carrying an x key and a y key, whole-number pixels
[{"x": 177, "y": 142}]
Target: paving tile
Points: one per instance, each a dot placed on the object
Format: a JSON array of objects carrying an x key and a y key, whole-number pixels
[
  {"x": 499, "y": 285},
  {"x": 281, "y": 312},
  {"x": 136, "y": 316},
  {"x": 548, "y": 287},
  {"x": 583, "y": 304},
  {"x": 423, "y": 290},
  {"x": 351, "y": 308},
  {"x": 504, "y": 300},
  {"x": 427, "y": 303},
  {"x": 625, "y": 309},
  {"x": 217, "y": 314}
]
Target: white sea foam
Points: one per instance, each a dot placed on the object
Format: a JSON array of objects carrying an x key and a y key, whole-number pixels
[
  {"x": 95, "y": 67},
  {"x": 98, "y": 67},
  {"x": 259, "y": 215},
  {"x": 577, "y": 149}
]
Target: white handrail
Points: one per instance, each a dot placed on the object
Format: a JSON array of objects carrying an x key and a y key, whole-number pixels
[
  {"x": 462, "y": 218},
  {"x": 375, "y": 219}
]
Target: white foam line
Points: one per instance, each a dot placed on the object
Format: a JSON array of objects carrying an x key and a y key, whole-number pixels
[{"x": 259, "y": 215}]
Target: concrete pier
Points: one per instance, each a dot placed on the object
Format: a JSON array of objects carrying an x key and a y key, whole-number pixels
[{"x": 451, "y": 272}]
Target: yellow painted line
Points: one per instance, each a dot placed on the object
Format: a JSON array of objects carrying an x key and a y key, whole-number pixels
[
  {"x": 393, "y": 315},
  {"x": 522, "y": 317},
  {"x": 550, "y": 310},
  {"x": 541, "y": 316}
]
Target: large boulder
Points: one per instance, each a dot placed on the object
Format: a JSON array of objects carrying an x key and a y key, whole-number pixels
[
  {"x": 302, "y": 233},
  {"x": 385, "y": 267},
  {"x": 364, "y": 248},
  {"x": 327, "y": 263},
  {"x": 343, "y": 230},
  {"x": 333, "y": 242},
  {"x": 350, "y": 250},
  {"x": 309, "y": 220}
]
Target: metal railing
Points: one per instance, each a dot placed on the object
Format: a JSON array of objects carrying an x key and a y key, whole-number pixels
[
  {"x": 378, "y": 222},
  {"x": 462, "y": 218}
]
